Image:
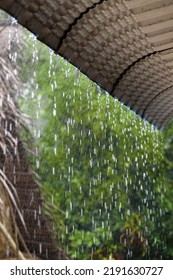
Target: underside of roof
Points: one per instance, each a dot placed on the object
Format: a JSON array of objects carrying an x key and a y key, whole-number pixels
[{"x": 125, "y": 46}]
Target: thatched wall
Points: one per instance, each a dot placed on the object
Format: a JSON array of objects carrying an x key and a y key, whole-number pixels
[{"x": 23, "y": 227}]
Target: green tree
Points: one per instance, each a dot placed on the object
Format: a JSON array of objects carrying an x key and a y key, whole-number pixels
[{"x": 100, "y": 164}]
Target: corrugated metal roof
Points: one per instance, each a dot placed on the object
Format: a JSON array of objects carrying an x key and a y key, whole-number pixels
[{"x": 124, "y": 46}]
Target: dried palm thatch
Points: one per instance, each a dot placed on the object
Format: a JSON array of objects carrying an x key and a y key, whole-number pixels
[
  {"x": 126, "y": 46},
  {"x": 24, "y": 231}
]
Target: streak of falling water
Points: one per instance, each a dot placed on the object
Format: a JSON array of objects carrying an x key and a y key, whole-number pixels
[{"x": 104, "y": 186}]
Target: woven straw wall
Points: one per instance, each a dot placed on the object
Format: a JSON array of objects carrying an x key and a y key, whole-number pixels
[{"x": 16, "y": 177}]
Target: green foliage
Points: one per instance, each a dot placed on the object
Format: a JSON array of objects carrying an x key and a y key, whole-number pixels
[{"x": 101, "y": 166}]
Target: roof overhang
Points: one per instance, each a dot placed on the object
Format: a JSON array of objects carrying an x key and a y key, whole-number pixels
[{"x": 124, "y": 46}]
